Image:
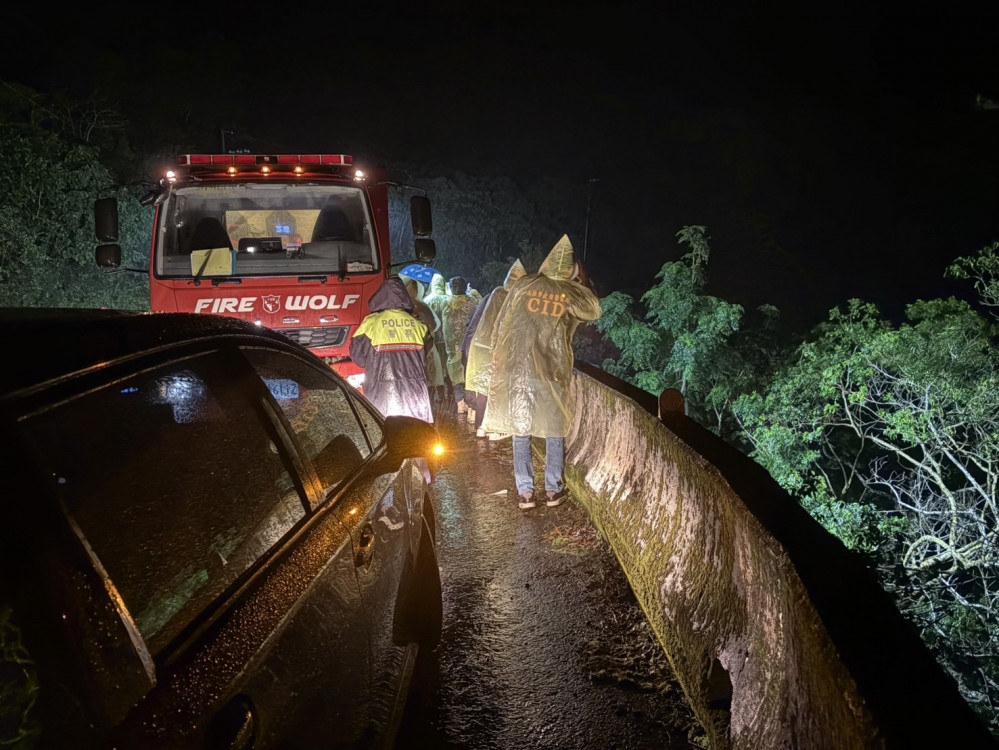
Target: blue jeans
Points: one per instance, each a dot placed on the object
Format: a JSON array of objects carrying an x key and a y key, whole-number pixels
[{"x": 523, "y": 463}]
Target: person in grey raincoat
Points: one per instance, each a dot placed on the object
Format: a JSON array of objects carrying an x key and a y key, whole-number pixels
[
  {"x": 529, "y": 394},
  {"x": 392, "y": 346},
  {"x": 456, "y": 314},
  {"x": 479, "y": 367}
]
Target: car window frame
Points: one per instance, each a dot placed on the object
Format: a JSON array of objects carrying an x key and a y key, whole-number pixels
[
  {"x": 375, "y": 450},
  {"x": 65, "y": 390}
]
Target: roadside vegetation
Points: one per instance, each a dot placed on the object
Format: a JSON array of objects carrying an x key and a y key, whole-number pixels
[{"x": 887, "y": 433}]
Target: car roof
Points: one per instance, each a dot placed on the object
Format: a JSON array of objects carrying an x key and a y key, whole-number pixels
[{"x": 44, "y": 344}]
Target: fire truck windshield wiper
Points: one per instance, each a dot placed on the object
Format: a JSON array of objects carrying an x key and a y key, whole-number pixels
[{"x": 327, "y": 250}]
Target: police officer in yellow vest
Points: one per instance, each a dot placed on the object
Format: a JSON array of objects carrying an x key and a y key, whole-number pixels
[{"x": 392, "y": 346}]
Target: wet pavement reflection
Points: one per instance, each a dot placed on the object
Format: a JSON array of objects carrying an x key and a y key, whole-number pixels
[{"x": 544, "y": 645}]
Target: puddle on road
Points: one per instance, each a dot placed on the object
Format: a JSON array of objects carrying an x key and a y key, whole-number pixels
[{"x": 544, "y": 645}]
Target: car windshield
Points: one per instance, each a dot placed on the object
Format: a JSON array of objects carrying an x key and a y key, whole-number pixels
[{"x": 273, "y": 229}]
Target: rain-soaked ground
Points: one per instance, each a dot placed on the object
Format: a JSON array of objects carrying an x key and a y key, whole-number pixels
[{"x": 544, "y": 645}]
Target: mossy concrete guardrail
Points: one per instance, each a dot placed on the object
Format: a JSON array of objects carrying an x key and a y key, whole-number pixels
[{"x": 780, "y": 637}]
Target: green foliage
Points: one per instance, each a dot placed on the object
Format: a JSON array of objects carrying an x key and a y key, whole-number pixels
[
  {"x": 983, "y": 269},
  {"x": 889, "y": 436},
  {"x": 46, "y": 227},
  {"x": 687, "y": 339}
]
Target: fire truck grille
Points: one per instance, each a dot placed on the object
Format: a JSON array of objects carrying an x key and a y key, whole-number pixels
[{"x": 318, "y": 338}]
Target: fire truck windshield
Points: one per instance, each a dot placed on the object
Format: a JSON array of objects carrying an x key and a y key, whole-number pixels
[{"x": 273, "y": 229}]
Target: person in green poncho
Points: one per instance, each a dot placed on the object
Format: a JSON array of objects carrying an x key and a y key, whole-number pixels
[{"x": 456, "y": 314}]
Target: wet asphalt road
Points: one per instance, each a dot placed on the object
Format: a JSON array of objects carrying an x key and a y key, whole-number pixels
[{"x": 544, "y": 645}]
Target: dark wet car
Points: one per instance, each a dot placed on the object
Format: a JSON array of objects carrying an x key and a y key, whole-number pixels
[{"x": 209, "y": 540}]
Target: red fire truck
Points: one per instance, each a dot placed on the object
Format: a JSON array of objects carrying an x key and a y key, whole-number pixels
[{"x": 295, "y": 243}]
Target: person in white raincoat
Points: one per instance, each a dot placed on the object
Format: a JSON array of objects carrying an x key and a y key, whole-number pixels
[
  {"x": 532, "y": 361},
  {"x": 479, "y": 368},
  {"x": 436, "y": 299}
]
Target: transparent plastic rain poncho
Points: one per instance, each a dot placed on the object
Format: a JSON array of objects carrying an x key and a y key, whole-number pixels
[
  {"x": 422, "y": 311},
  {"x": 436, "y": 298},
  {"x": 456, "y": 314},
  {"x": 532, "y": 359},
  {"x": 479, "y": 370}
]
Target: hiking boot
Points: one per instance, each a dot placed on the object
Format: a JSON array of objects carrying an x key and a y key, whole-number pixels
[
  {"x": 555, "y": 498},
  {"x": 527, "y": 501},
  {"x": 462, "y": 407}
]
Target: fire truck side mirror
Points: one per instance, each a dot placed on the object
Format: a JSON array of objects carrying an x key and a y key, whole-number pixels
[
  {"x": 108, "y": 256},
  {"x": 426, "y": 250},
  {"x": 106, "y": 219},
  {"x": 108, "y": 253},
  {"x": 419, "y": 209}
]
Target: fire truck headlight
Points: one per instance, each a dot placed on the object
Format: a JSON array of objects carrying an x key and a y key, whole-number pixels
[
  {"x": 356, "y": 380},
  {"x": 359, "y": 175}
]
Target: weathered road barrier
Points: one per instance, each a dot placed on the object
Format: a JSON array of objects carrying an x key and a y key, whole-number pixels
[{"x": 780, "y": 637}]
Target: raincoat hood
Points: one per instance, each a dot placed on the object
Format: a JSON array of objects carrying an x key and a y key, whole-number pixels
[
  {"x": 414, "y": 287},
  {"x": 391, "y": 295},
  {"x": 530, "y": 385},
  {"x": 559, "y": 264},
  {"x": 438, "y": 285},
  {"x": 516, "y": 271}
]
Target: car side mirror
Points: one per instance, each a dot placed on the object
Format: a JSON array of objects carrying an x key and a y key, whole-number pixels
[
  {"x": 108, "y": 253},
  {"x": 407, "y": 437}
]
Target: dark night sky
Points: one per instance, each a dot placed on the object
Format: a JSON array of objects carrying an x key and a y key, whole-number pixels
[{"x": 829, "y": 155}]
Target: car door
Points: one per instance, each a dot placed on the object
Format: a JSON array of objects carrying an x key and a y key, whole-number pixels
[
  {"x": 338, "y": 432},
  {"x": 237, "y": 591}
]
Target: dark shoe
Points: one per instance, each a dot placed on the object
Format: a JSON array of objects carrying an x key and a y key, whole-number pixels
[
  {"x": 555, "y": 498},
  {"x": 527, "y": 501}
]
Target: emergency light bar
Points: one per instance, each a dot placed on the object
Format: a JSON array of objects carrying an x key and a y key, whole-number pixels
[
  {"x": 190, "y": 160},
  {"x": 206, "y": 165}
]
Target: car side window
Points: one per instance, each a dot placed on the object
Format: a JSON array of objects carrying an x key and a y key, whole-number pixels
[
  {"x": 174, "y": 483},
  {"x": 371, "y": 426},
  {"x": 316, "y": 404}
]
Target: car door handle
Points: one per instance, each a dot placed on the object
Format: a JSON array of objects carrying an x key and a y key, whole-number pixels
[
  {"x": 234, "y": 727},
  {"x": 365, "y": 547}
]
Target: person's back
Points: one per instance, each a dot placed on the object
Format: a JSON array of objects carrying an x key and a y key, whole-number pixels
[
  {"x": 423, "y": 313},
  {"x": 479, "y": 347},
  {"x": 530, "y": 393},
  {"x": 391, "y": 345},
  {"x": 436, "y": 299},
  {"x": 456, "y": 314},
  {"x": 532, "y": 348}
]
